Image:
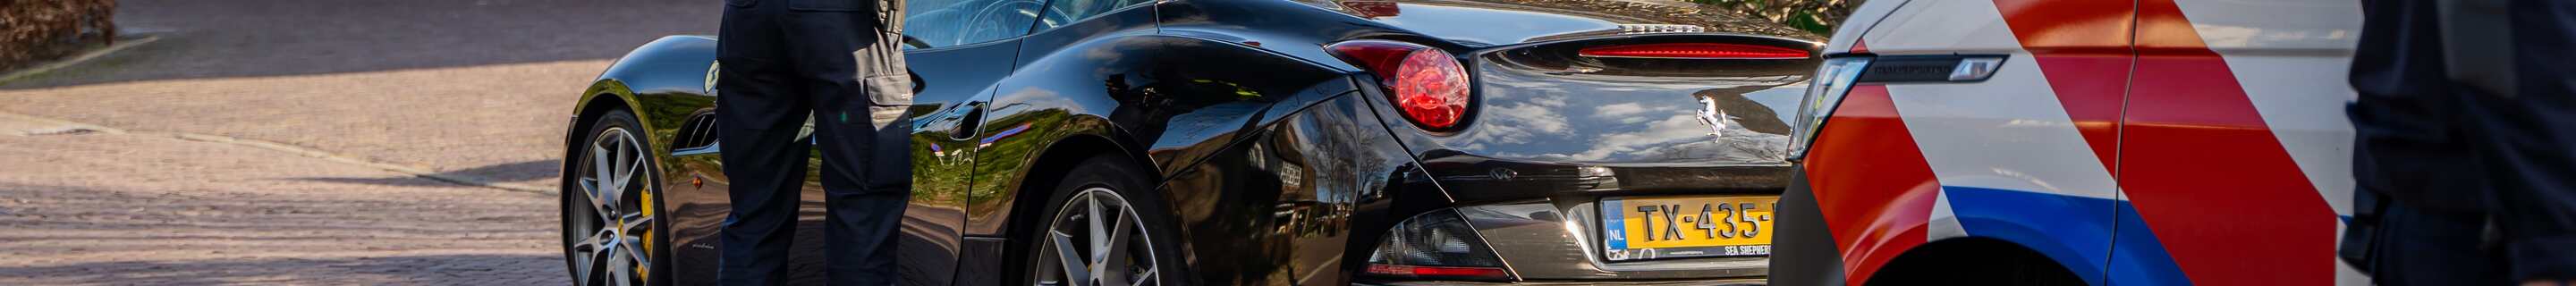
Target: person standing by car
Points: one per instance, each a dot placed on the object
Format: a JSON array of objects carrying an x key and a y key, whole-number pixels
[
  {"x": 2465, "y": 155},
  {"x": 837, "y": 60}
]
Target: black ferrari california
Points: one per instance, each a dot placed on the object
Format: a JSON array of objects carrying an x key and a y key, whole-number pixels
[{"x": 1229, "y": 142}]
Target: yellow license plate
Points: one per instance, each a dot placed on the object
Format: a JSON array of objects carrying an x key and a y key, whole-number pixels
[{"x": 1639, "y": 228}]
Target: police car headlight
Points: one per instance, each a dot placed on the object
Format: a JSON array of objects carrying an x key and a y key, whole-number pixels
[{"x": 1825, "y": 91}]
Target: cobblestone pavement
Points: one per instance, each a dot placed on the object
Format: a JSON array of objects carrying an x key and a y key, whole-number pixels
[
  {"x": 470, "y": 88},
  {"x": 142, "y": 209}
]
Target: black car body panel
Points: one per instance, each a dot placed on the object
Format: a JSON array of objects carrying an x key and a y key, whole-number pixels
[
  {"x": 1550, "y": 122},
  {"x": 1281, "y": 163},
  {"x": 1281, "y": 202},
  {"x": 1473, "y": 23}
]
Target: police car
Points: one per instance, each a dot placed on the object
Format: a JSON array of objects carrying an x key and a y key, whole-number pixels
[{"x": 2121, "y": 142}]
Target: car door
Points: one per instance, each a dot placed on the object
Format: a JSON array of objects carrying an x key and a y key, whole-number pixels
[
  {"x": 2027, "y": 155},
  {"x": 1021, "y": 109},
  {"x": 2235, "y": 149},
  {"x": 958, "y": 50},
  {"x": 1009, "y": 114}
]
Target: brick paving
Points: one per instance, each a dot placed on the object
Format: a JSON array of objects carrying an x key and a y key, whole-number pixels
[
  {"x": 132, "y": 209},
  {"x": 474, "y": 88}
]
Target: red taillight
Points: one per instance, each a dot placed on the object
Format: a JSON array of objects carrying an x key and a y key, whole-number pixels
[
  {"x": 1695, "y": 51},
  {"x": 1437, "y": 245},
  {"x": 1427, "y": 84},
  {"x": 1438, "y": 272}
]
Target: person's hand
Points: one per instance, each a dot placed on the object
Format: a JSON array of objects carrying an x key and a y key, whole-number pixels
[{"x": 2547, "y": 283}]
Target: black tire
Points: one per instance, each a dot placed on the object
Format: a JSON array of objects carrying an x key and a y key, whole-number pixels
[
  {"x": 644, "y": 185},
  {"x": 1973, "y": 261},
  {"x": 1117, "y": 176}
]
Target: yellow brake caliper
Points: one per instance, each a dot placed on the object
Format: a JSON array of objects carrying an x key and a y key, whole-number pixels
[{"x": 640, "y": 270}]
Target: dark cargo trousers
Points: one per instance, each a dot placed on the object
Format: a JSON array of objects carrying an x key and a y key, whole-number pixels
[
  {"x": 779, "y": 61},
  {"x": 2466, "y": 127}
]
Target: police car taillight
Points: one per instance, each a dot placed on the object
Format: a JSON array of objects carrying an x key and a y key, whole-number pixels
[
  {"x": 1825, "y": 91},
  {"x": 1837, "y": 75}
]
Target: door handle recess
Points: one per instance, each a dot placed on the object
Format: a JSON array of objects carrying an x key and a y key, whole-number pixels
[{"x": 969, "y": 122}]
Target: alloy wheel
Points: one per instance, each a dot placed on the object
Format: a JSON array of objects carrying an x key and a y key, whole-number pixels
[
  {"x": 1095, "y": 239},
  {"x": 611, "y": 224}
]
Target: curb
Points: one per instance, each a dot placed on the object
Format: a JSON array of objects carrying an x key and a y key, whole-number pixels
[
  {"x": 419, "y": 172},
  {"x": 76, "y": 60}
]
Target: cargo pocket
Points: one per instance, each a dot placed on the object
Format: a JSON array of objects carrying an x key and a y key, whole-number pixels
[
  {"x": 832, "y": 5},
  {"x": 890, "y": 90},
  {"x": 889, "y": 97},
  {"x": 889, "y": 82}
]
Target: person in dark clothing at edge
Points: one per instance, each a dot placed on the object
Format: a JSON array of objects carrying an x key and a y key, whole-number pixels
[
  {"x": 837, "y": 60},
  {"x": 2465, "y": 156}
]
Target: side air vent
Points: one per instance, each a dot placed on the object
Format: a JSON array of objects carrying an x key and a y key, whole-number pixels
[{"x": 695, "y": 134}]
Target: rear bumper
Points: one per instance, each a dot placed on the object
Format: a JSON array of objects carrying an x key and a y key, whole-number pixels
[
  {"x": 1555, "y": 240},
  {"x": 1542, "y": 218}
]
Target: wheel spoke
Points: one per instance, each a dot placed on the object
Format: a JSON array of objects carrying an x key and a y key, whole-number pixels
[
  {"x": 599, "y": 209},
  {"x": 1147, "y": 277},
  {"x": 637, "y": 221},
  {"x": 634, "y": 241},
  {"x": 627, "y": 178},
  {"x": 617, "y": 174},
  {"x": 1099, "y": 233},
  {"x": 1074, "y": 271},
  {"x": 583, "y": 264},
  {"x": 620, "y": 271},
  {"x": 634, "y": 250},
  {"x": 599, "y": 166},
  {"x": 1104, "y": 243},
  {"x": 626, "y": 165},
  {"x": 1118, "y": 234},
  {"x": 1113, "y": 260},
  {"x": 600, "y": 261}
]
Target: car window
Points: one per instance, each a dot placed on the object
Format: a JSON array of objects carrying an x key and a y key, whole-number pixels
[
  {"x": 1062, "y": 12},
  {"x": 942, "y": 23}
]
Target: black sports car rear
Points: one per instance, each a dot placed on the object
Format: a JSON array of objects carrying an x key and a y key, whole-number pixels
[{"x": 1258, "y": 142}]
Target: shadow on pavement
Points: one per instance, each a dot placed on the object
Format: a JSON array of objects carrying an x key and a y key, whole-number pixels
[
  {"x": 250, "y": 38},
  {"x": 511, "y": 172}
]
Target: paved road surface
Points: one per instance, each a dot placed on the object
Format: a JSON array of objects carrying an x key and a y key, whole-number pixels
[
  {"x": 145, "y": 209},
  {"x": 473, "y": 88}
]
